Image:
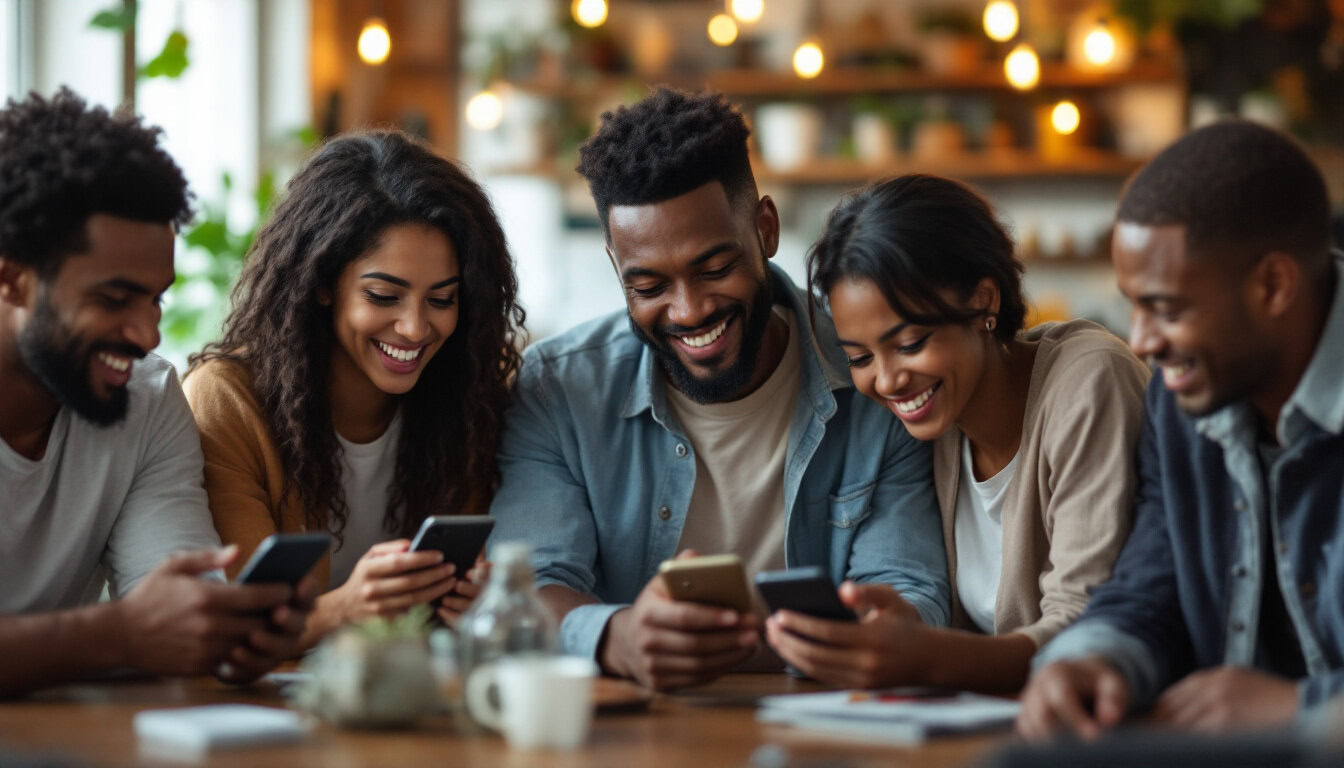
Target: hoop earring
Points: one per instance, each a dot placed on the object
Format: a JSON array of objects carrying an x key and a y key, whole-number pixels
[{"x": 991, "y": 323}]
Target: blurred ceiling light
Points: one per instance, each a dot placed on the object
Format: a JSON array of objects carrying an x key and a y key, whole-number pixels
[
  {"x": 748, "y": 11},
  {"x": 1022, "y": 67},
  {"x": 485, "y": 110},
  {"x": 374, "y": 42},
  {"x": 589, "y": 13},
  {"x": 1099, "y": 45},
  {"x": 1000, "y": 20},
  {"x": 722, "y": 29},
  {"x": 1065, "y": 117},
  {"x": 808, "y": 61}
]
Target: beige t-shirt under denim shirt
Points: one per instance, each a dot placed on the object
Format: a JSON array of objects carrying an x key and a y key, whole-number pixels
[{"x": 737, "y": 505}]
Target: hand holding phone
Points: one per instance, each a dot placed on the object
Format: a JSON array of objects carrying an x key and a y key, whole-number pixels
[
  {"x": 460, "y": 538},
  {"x": 803, "y": 590},
  {"x": 284, "y": 558},
  {"x": 717, "y": 580}
]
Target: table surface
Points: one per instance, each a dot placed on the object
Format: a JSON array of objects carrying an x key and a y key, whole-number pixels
[{"x": 712, "y": 725}]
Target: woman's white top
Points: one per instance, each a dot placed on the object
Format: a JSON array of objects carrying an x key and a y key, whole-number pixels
[{"x": 979, "y": 539}]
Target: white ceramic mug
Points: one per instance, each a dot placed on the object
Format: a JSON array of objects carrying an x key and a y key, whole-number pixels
[{"x": 542, "y": 701}]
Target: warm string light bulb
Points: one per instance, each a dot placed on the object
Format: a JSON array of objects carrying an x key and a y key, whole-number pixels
[
  {"x": 374, "y": 42},
  {"x": 485, "y": 110},
  {"x": 1099, "y": 46},
  {"x": 1065, "y": 117},
  {"x": 1022, "y": 67},
  {"x": 808, "y": 60},
  {"x": 1001, "y": 20},
  {"x": 747, "y": 11},
  {"x": 722, "y": 29},
  {"x": 589, "y": 13}
]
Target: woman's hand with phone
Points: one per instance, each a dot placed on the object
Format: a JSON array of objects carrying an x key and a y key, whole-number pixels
[
  {"x": 388, "y": 580},
  {"x": 886, "y": 647},
  {"x": 464, "y": 593}
]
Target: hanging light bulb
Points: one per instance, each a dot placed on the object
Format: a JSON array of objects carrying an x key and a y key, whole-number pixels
[
  {"x": 1001, "y": 20},
  {"x": 374, "y": 42},
  {"x": 1065, "y": 117},
  {"x": 1099, "y": 45},
  {"x": 1022, "y": 67},
  {"x": 722, "y": 29},
  {"x": 808, "y": 60},
  {"x": 485, "y": 110},
  {"x": 747, "y": 11},
  {"x": 589, "y": 13}
]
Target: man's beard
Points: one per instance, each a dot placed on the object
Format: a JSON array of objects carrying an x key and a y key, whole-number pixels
[
  {"x": 61, "y": 361},
  {"x": 728, "y": 383}
]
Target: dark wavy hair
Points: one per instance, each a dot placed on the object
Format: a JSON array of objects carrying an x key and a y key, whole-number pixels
[
  {"x": 665, "y": 146},
  {"x": 62, "y": 161},
  {"x": 915, "y": 237},
  {"x": 352, "y": 190}
]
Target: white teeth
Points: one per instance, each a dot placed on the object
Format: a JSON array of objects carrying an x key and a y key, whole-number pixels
[
  {"x": 1172, "y": 372},
  {"x": 118, "y": 364},
  {"x": 403, "y": 355},
  {"x": 706, "y": 339},
  {"x": 912, "y": 405}
]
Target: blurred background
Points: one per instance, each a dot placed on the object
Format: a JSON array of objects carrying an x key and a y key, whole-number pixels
[{"x": 1046, "y": 106}]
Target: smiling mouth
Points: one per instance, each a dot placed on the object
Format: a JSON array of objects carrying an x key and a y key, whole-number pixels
[
  {"x": 910, "y": 405},
  {"x": 705, "y": 339},
  {"x": 400, "y": 354},
  {"x": 115, "y": 362}
]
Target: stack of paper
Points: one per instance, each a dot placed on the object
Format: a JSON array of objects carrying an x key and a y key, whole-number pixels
[{"x": 894, "y": 716}]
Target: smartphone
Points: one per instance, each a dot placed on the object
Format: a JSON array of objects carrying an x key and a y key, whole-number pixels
[
  {"x": 460, "y": 538},
  {"x": 803, "y": 590},
  {"x": 284, "y": 558},
  {"x": 712, "y": 580}
]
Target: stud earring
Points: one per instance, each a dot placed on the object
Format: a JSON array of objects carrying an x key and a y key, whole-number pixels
[{"x": 991, "y": 323}]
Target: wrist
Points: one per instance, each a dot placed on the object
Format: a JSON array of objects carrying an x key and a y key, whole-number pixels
[
  {"x": 608, "y": 646},
  {"x": 106, "y": 625}
]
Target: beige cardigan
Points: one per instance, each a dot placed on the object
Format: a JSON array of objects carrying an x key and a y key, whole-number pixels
[{"x": 1068, "y": 508}]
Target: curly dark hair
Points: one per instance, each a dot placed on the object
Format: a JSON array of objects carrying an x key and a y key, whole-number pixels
[
  {"x": 913, "y": 237},
  {"x": 665, "y": 146},
  {"x": 334, "y": 211},
  {"x": 1240, "y": 189},
  {"x": 62, "y": 161}
]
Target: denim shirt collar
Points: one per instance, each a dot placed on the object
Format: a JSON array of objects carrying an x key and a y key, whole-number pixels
[
  {"x": 1317, "y": 397},
  {"x": 824, "y": 371}
]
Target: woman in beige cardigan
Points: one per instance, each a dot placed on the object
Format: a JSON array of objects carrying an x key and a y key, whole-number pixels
[
  {"x": 363, "y": 373},
  {"x": 1033, "y": 435}
]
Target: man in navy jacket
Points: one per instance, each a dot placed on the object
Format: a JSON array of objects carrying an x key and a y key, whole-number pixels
[{"x": 1226, "y": 608}]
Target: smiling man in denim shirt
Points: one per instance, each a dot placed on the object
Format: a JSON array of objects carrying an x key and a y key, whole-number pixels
[
  {"x": 1226, "y": 608},
  {"x": 712, "y": 416}
]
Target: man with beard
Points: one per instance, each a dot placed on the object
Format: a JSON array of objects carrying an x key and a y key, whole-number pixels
[
  {"x": 714, "y": 416},
  {"x": 100, "y": 463},
  {"x": 1225, "y": 611}
]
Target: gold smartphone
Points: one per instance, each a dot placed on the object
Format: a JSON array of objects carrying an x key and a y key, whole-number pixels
[{"x": 717, "y": 580}]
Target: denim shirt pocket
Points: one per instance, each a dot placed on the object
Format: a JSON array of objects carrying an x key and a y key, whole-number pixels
[{"x": 849, "y": 508}]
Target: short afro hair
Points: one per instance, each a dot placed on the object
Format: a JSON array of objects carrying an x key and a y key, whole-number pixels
[
  {"x": 62, "y": 161},
  {"x": 665, "y": 146},
  {"x": 1241, "y": 190}
]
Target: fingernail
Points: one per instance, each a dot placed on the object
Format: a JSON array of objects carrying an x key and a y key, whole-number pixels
[{"x": 728, "y": 618}]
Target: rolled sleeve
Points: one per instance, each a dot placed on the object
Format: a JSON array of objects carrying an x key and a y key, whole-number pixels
[{"x": 581, "y": 631}]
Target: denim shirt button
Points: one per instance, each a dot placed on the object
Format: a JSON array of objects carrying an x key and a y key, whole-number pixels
[
  {"x": 1240, "y": 505},
  {"x": 664, "y": 513},
  {"x": 681, "y": 450},
  {"x": 1238, "y": 626},
  {"x": 1308, "y": 588},
  {"x": 1241, "y": 571}
]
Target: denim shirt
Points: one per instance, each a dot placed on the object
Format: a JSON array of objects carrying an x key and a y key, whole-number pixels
[
  {"x": 597, "y": 474},
  {"x": 1186, "y": 591}
]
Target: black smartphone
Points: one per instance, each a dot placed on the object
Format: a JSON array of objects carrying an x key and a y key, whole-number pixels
[
  {"x": 284, "y": 558},
  {"x": 803, "y": 590},
  {"x": 460, "y": 538}
]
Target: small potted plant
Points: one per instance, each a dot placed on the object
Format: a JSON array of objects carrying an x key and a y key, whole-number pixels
[
  {"x": 950, "y": 41},
  {"x": 372, "y": 674}
]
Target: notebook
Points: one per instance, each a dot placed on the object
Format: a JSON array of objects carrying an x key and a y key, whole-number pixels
[
  {"x": 199, "y": 729},
  {"x": 892, "y": 716}
]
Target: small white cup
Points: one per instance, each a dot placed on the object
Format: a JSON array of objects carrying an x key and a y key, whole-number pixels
[{"x": 543, "y": 701}]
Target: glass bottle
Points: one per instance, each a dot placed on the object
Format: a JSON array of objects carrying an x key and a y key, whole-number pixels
[{"x": 508, "y": 618}]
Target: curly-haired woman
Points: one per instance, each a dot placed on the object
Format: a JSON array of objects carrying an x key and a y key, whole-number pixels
[{"x": 363, "y": 372}]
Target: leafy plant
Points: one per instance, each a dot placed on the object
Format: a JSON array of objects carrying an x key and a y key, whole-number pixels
[
  {"x": 170, "y": 62},
  {"x": 1225, "y": 13}
]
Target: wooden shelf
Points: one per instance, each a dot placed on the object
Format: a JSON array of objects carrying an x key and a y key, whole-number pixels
[
  {"x": 755, "y": 83},
  {"x": 982, "y": 165}
]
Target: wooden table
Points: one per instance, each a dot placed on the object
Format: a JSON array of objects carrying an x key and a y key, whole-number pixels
[{"x": 706, "y": 727}]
